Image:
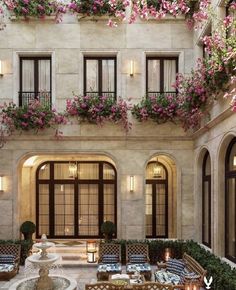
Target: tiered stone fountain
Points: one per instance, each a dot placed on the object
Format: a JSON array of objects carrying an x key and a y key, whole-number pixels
[{"x": 44, "y": 262}]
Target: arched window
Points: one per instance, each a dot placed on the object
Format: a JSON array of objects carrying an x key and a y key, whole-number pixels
[
  {"x": 156, "y": 200},
  {"x": 230, "y": 201},
  {"x": 206, "y": 200},
  {"x": 74, "y": 198}
]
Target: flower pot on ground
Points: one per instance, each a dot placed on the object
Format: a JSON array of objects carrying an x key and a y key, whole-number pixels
[
  {"x": 27, "y": 229},
  {"x": 108, "y": 229}
]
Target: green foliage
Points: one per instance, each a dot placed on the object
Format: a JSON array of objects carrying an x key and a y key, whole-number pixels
[
  {"x": 25, "y": 247},
  {"x": 108, "y": 228},
  {"x": 28, "y": 227}
]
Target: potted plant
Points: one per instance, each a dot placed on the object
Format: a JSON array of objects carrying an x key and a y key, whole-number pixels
[
  {"x": 108, "y": 229},
  {"x": 27, "y": 229}
]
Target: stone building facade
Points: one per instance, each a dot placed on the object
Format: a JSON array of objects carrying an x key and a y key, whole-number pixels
[{"x": 181, "y": 153}]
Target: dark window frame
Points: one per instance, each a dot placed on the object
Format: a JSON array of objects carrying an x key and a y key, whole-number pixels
[
  {"x": 51, "y": 182},
  {"x": 229, "y": 174},
  {"x": 100, "y": 59},
  {"x": 154, "y": 182},
  {"x": 36, "y": 77},
  {"x": 161, "y": 58},
  {"x": 206, "y": 178}
]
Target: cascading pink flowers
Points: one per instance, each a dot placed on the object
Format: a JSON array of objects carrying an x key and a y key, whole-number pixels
[
  {"x": 34, "y": 116},
  {"x": 98, "y": 109}
]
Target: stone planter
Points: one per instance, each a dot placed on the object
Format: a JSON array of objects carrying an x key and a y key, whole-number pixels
[{"x": 31, "y": 18}]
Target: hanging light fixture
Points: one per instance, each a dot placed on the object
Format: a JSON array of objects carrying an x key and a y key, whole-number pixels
[
  {"x": 157, "y": 170},
  {"x": 72, "y": 169}
]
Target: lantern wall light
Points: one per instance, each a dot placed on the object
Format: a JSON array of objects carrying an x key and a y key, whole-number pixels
[
  {"x": 131, "y": 183},
  {"x": 1, "y": 71},
  {"x": 1, "y": 183},
  {"x": 131, "y": 71}
]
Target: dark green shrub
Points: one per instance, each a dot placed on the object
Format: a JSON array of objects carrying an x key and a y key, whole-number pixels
[{"x": 108, "y": 229}]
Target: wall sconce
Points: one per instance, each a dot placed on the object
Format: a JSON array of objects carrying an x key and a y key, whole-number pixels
[
  {"x": 91, "y": 249},
  {"x": 131, "y": 183},
  {"x": 1, "y": 71},
  {"x": 131, "y": 68},
  {"x": 234, "y": 161},
  {"x": 1, "y": 183}
]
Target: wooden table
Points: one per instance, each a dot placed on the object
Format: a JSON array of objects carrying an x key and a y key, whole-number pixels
[{"x": 128, "y": 286}]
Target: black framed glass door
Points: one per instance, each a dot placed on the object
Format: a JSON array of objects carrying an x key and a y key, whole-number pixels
[{"x": 74, "y": 198}]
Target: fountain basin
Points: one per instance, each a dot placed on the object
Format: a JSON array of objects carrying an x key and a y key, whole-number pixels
[{"x": 60, "y": 282}]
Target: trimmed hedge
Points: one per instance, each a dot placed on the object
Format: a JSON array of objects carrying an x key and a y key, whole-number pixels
[
  {"x": 25, "y": 248},
  {"x": 224, "y": 277}
]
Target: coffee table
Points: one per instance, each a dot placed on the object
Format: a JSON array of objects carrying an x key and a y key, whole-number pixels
[{"x": 130, "y": 282}]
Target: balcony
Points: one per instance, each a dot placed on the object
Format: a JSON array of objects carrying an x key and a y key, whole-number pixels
[
  {"x": 158, "y": 94},
  {"x": 26, "y": 97}
]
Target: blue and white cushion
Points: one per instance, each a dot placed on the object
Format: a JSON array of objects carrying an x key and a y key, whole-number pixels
[
  {"x": 190, "y": 275},
  {"x": 6, "y": 267},
  {"x": 165, "y": 277},
  {"x": 110, "y": 259},
  {"x": 7, "y": 259},
  {"x": 144, "y": 267},
  {"x": 137, "y": 259},
  {"x": 109, "y": 268},
  {"x": 175, "y": 266}
]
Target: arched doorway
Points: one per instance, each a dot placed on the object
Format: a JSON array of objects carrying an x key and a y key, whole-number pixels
[
  {"x": 156, "y": 200},
  {"x": 230, "y": 201},
  {"x": 73, "y": 198}
]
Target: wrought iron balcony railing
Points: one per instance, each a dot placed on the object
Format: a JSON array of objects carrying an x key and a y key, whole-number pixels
[
  {"x": 165, "y": 94},
  {"x": 26, "y": 97}
]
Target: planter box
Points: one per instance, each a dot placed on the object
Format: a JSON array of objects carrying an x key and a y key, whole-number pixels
[
  {"x": 84, "y": 17},
  {"x": 31, "y": 18}
]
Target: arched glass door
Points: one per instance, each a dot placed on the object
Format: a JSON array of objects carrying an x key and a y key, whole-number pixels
[
  {"x": 206, "y": 200},
  {"x": 230, "y": 201},
  {"x": 156, "y": 200},
  {"x": 74, "y": 198}
]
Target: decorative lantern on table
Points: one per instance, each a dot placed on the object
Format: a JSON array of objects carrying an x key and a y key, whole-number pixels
[{"x": 91, "y": 249}]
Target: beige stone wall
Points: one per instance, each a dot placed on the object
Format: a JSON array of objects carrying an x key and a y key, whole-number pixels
[{"x": 67, "y": 43}]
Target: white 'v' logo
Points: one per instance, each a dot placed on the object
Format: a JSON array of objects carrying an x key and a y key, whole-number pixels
[{"x": 208, "y": 283}]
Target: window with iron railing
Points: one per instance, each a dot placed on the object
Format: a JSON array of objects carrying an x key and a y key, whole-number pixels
[
  {"x": 161, "y": 75},
  {"x": 100, "y": 76},
  {"x": 35, "y": 80}
]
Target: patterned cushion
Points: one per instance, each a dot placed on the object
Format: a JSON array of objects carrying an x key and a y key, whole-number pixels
[
  {"x": 6, "y": 267},
  {"x": 7, "y": 259},
  {"x": 130, "y": 268},
  {"x": 165, "y": 277},
  {"x": 175, "y": 266},
  {"x": 110, "y": 259},
  {"x": 137, "y": 259},
  {"x": 109, "y": 267},
  {"x": 190, "y": 275}
]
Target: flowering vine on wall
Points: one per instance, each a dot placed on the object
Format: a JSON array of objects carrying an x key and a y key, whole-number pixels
[
  {"x": 34, "y": 116},
  {"x": 95, "y": 109},
  {"x": 196, "y": 92}
]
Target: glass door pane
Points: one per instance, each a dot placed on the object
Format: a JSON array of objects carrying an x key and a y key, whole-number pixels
[
  {"x": 92, "y": 75},
  {"x": 160, "y": 210},
  {"x": 206, "y": 213},
  {"x": 109, "y": 207},
  {"x": 88, "y": 210},
  {"x": 149, "y": 209},
  {"x": 64, "y": 209},
  {"x": 231, "y": 236},
  {"x": 43, "y": 209},
  {"x": 153, "y": 75}
]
